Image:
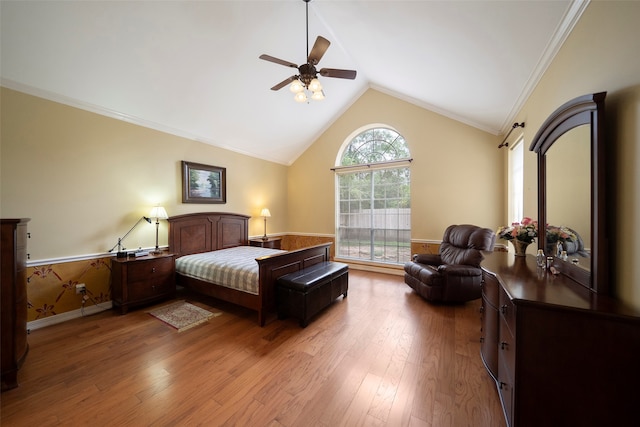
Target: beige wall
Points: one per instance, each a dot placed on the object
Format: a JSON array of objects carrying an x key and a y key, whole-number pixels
[
  {"x": 85, "y": 179},
  {"x": 601, "y": 55},
  {"x": 455, "y": 176}
]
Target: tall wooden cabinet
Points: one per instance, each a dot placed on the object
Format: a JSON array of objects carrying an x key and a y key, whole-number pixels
[
  {"x": 13, "y": 299},
  {"x": 560, "y": 354}
]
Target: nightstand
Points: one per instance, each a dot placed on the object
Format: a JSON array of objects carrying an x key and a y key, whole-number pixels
[
  {"x": 271, "y": 242},
  {"x": 143, "y": 280}
]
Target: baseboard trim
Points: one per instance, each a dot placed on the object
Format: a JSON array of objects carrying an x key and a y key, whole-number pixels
[{"x": 69, "y": 315}]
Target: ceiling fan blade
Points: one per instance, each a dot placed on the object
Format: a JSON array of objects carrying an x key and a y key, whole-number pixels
[
  {"x": 278, "y": 61},
  {"x": 319, "y": 48},
  {"x": 284, "y": 83},
  {"x": 340, "y": 74}
]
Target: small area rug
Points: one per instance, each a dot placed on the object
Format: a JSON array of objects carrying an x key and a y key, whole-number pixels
[{"x": 182, "y": 315}]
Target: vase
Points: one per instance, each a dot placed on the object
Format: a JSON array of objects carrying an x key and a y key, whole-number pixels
[{"x": 520, "y": 247}]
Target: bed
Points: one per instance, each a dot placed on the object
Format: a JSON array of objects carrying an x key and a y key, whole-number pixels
[{"x": 200, "y": 233}]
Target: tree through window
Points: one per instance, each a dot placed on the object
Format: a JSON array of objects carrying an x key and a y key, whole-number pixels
[{"x": 374, "y": 203}]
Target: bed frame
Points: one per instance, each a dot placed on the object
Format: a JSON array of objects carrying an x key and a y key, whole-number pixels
[{"x": 211, "y": 231}]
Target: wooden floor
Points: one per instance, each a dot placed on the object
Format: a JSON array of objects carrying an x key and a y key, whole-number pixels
[{"x": 381, "y": 357}]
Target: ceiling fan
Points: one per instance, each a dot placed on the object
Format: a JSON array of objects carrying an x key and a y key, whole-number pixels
[{"x": 308, "y": 75}]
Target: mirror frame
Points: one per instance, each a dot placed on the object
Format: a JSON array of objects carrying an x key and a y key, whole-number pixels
[{"x": 587, "y": 109}]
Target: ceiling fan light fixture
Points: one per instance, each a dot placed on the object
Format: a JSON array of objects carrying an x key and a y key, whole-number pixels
[
  {"x": 296, "y": 86},
  {"x": 315, "y": 86},
  {"x": 306, "y": 79}
]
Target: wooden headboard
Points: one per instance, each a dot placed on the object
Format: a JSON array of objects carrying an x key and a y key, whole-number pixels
[{"x": 207, "y": 231}]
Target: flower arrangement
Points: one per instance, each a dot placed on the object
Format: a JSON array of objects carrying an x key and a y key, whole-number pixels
[
  {"x": 562, "y": 234},
  {"x": 525, "y": 231}
]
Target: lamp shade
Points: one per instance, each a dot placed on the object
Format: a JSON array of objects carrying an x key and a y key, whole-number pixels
[
  {"x": 315, "y": 86},
  {"x": 265, "y": 213},
  {"x": 158, "y": 212},
  {"x": 296, "y": 86}
]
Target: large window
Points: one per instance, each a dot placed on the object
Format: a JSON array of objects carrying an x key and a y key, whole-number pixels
[{"x": 374, "y": 204}]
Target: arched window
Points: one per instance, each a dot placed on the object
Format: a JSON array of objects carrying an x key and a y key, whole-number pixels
[{"x": 374, "y": 201}]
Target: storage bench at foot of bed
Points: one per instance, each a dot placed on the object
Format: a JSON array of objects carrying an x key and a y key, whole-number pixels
[{"x": 304, "y": 293}]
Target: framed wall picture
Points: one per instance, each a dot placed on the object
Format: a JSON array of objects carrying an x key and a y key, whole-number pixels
[{"x": 203, "y": 183}]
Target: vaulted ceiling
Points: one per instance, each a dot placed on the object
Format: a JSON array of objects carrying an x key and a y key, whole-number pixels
[{"x": 191, "y": 68}]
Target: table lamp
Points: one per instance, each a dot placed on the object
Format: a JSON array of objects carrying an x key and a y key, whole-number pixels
[
  {"x": 266, "y": 214},
  {"x": 158, "y": 213}
]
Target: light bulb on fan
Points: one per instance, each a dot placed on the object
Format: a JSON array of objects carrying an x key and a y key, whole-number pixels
[
  {"x": 296, "y": 86},
  {"x": 315, "y": 86}
]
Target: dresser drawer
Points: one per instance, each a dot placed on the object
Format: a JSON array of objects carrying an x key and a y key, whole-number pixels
[
  {"x": 491, "y": 288},
  {"x": 149, "y": 270},
  {"x": 144, "y": 289},
  {"x": 506, "y": 391},
  {"x": 489, "y": 336},
  {"x": 508, "y": 311},
  {"x": 507, "y": 349}
]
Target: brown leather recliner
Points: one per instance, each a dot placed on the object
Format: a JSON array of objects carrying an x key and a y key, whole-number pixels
[{"x": 453, "y": 275}]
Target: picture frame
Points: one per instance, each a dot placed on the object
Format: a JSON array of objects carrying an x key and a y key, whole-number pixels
[{"x": 203, "y": 183}]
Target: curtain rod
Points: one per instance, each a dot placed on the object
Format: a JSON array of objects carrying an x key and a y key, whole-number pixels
[
  {"x": 515, "y": 125},
  {"x": 372, "y": 164}
]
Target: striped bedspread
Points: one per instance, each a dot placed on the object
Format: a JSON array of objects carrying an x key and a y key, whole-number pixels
[{"x": 233, "y": 268}]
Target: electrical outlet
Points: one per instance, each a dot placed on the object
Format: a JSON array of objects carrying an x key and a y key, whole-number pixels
[{"x": 81, "y": 288}]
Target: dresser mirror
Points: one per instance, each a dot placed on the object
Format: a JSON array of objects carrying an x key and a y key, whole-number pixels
[
  {"x": 571, "y": 162},
  {"x": 568, "y": 183}
]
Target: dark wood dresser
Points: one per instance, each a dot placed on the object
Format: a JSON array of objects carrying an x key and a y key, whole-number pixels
[
  {"x": 13, "y": 299},
  {"x": 560, "y": 354}
]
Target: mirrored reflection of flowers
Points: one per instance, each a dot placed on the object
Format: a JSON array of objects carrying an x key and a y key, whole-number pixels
[{"x": 560, "y": 234}]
